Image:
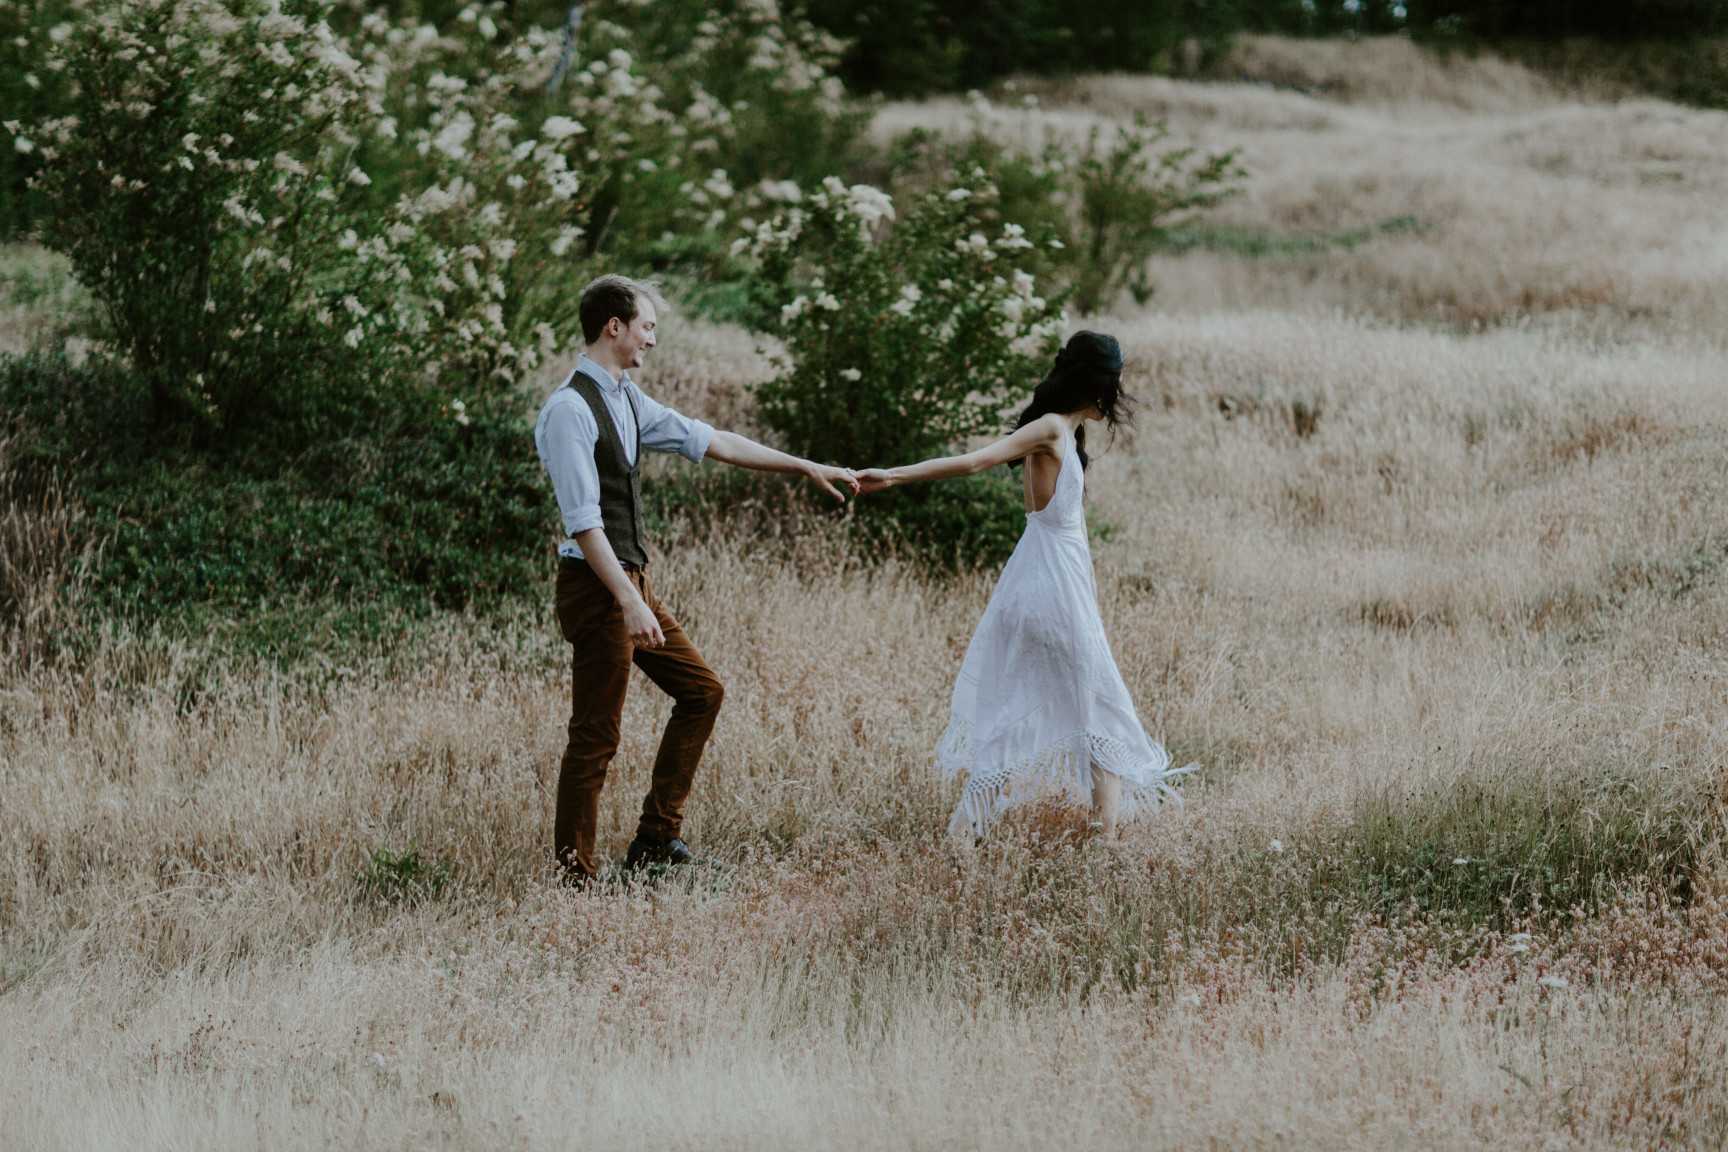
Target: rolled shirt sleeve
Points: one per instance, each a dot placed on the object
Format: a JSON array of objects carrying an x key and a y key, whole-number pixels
[{"x": 668, "y": 430}]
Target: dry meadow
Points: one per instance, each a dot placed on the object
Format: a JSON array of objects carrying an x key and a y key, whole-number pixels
[{"x": 1417, "y": 548}]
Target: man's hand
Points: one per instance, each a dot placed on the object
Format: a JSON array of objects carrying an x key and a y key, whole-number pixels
[
  {"x": 642, "y": 625},
  {"x": 873, "y": 480},
  {"x": 825, "y": 477}
]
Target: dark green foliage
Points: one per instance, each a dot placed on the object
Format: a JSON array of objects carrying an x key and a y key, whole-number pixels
[
  {"x": 1561, "y": 19},
  {"x": 916, "y": 47},
  {"x": 957, "y": 525},
  {"x": 905, "y": 342},
  {"x": 403, "y": 877},
  {"x": 420, "y": 510},
  {"x": 28, "y": 93},
  {"x": 913, "y": 47}
]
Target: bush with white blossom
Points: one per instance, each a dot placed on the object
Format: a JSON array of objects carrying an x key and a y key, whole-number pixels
[
  {"x": 283, "y": 219},
  {"x": 905, "y": 336}
]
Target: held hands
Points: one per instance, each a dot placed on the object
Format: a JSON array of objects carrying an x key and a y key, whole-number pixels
[
  {"x": 825, "y": 477},
  {"x": 873, "y": 480}
]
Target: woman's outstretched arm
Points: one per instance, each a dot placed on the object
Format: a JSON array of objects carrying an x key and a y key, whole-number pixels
[{"x": 1042, "y": 434}]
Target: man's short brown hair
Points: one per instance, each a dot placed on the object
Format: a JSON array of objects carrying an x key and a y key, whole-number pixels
[{"x": 614, "y": 296}]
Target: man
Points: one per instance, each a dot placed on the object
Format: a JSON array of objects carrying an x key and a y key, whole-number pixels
[{"x": 590, "y": 436}]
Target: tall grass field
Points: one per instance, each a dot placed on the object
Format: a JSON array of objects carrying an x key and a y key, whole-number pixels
[{"x": 1419, "y": 546}]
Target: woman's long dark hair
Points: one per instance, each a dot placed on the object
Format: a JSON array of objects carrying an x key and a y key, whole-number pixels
[{"x": 1087, "y": 371}]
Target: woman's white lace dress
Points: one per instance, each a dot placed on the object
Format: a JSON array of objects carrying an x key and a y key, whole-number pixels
[{"x": 1039, "y": 699}]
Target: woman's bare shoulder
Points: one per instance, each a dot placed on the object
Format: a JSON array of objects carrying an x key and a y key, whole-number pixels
[{"x": 1051, "y": 429}]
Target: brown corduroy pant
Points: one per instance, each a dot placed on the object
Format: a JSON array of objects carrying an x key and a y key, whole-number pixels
[{"x": 600, "y": 663}]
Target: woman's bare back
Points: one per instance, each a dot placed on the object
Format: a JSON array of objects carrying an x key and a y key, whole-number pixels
[{"x": 1040, "y": 470}]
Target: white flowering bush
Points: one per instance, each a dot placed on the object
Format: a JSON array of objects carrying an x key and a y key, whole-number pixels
[
  {"x": 904, "y": 336},
  {"x": 199, "y": 180},
  {"x": 30, "y": 90},
  {"x": 907, "y": 333}
]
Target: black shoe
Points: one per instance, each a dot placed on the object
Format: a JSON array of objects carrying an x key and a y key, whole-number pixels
[
  {"x": 644, "y": 853},
  {"x": 667, "y": 854}
]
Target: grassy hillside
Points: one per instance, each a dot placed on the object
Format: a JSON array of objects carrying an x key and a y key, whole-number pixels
[{"x": 1417, "y": 548}]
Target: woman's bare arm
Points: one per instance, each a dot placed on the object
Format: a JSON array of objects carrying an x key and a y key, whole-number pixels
[{"x": 1040, "y": 435}]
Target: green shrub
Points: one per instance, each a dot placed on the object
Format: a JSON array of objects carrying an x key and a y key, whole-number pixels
[
  {"x": 903, "y": 341},
  {"x": 1097, "y": 212},
  {"x": 438, "y": 508},
  {"x": 970, "y": 522},
  {"x": 198, "y": 182},
  {"x": 1126, "y": 197}
]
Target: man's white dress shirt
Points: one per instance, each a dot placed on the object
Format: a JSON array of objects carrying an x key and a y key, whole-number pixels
[{"x": 566, "y": 433}]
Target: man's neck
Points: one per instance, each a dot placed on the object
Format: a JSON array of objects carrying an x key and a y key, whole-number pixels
[{"x": 603, "y": 356}]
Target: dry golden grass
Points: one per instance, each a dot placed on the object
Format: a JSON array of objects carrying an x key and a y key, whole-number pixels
[
  {"x": 1397, "y": 586},
  {"x": 1431, "y": 194}
]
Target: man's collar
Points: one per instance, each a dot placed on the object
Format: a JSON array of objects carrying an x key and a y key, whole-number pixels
[{"x": 600, "y": 375}]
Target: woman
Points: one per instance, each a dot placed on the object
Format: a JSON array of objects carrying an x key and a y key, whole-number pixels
[{"x": 1040, "y": 707}]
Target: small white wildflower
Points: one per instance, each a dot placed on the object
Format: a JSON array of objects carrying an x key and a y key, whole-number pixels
[
  {"x": 782, "y": 191},
  {"x": 647, "y": 165},
  {"x": 792, "y": 311},
  {"x": 23, "y": 145},
  {"x": 564, "y": 185},
  {"x": 59, "y": 33},
  {"x": 209, "y": 305},
  {"x": 560, "y": 127},
  {"x": 827, "y": 301},
  {"x": 1057, "y": 244},
  {"x": 354, "y": 336},
  {"x": 353, "y": 305},
  {"x": 355, "y": 176},
  {"x": 189, "y": 141},
  {"x": 960, "y": 194},
  {"x": 1461, "y": 860},
  {"x": 618, "y": 58},
  {"x": 945, "y": 284},
  {"x": 851, "y": 374},
  {"x": 186, "y": 163},
  {"x": 566, "y": 236},
  {"x": 1276, "y": 846},
  {"x": 869, "y": 204},
  {"x": 452, "y": 139},
  {"x": 718, "y": 184}
]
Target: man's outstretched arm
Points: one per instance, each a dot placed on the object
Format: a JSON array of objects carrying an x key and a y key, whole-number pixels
[{"x": 731, "y": 448}]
